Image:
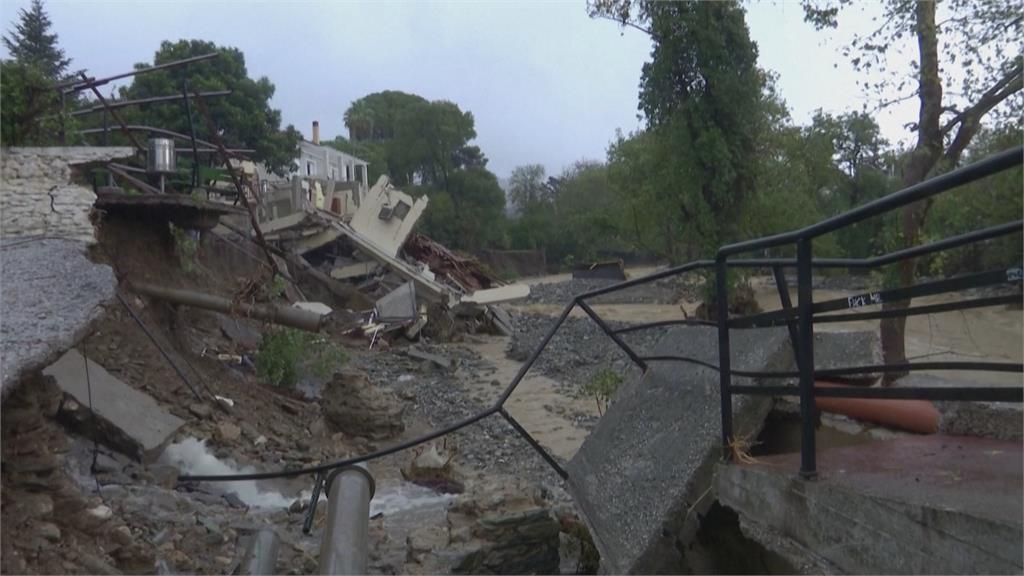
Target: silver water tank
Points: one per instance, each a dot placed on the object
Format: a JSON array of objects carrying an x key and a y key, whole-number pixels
[{"x": 160, "y": 158}]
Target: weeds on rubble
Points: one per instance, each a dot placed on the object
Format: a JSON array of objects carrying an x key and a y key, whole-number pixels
[
  {"x": 185, "y": 246},
  {"x": 286, "y": 353},
  {"x": 602, "y": 387}
]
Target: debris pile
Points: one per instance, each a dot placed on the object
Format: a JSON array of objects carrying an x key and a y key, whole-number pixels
[{"x": 366, "y": 240}]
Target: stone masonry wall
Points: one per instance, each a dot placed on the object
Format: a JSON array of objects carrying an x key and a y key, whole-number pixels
[{"x": 36, "y": 196}]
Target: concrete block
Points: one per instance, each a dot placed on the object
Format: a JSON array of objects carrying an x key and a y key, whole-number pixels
[
  {"x": 127, "y": 420},
  {"x": 914, "y": 505},
  {"x": 643, "y": 475}
]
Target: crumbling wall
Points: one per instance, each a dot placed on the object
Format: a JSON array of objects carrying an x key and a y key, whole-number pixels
[{"x": 36, "y": 196}]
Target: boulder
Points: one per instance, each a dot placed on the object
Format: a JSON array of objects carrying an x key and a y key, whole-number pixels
[{"x": 354, "y": 406}]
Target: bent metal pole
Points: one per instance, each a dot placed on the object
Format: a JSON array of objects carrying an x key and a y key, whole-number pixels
[
  {"x": 343, "y": 547},
  {"x": 283, "y": 315}
]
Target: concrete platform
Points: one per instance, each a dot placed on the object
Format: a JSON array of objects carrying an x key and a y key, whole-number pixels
[
  {"x": 643, "y": 476},
  {"x": 126, "y": 420},
  {"x": 914, "y": 505},
  {"x": 51, "y": 294}
]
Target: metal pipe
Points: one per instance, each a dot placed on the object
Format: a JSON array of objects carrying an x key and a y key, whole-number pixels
[
  {"x": 141, "y": 101},
  {"x": 124, "y": 127},
  {"x": 805, "y": 360},
  {"x": 283, "y": 315},
  {"x": 75, "y": 85},
  {"x": 611, "y": 334},
  {"x": 261, "y": 553},
  {"x": 724, "y": 356},
  {"x": 343, "y": 547}
]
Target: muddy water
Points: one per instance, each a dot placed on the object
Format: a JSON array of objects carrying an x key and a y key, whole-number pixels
[{"x": 536, "y": 404}]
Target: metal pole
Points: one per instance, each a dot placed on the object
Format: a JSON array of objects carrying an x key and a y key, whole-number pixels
[
  {"x": 283, "y": 315},
  {"x": 787, "y": 305},
  {"x": 724, "y": 364},
  {"x": 191, "y": 132},
  {"x": 261, "y": 553},
  {"x": 343, "y": 547},
  {"x": 808, "y": 466}
]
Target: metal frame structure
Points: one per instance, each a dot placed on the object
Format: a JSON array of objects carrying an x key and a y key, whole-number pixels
[{"x": 799, "y": 321}]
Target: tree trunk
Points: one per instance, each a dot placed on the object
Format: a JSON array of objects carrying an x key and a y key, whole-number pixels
[{"x": 925, "y": 155}]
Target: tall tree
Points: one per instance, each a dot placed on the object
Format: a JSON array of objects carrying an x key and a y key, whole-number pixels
[
  {"x": 245, "y": 117},
  {"x": 702, "y": 95},
  {"x": 968, "y": 66},
  {"x": 527, "y": 186},
  {"x": 31, "y": 43}
]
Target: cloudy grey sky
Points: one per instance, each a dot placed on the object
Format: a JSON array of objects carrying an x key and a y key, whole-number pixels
[{"x": 546, "y": 83}]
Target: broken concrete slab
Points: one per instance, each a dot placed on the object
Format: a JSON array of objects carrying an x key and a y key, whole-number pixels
[
  {"x": 499, "y": 294},
  {"x": 127, "y": 420},
  {"x": 51, "y": 293},
  {"x": 399, "y": 305},
  {"x": 914, "y": 505},
  {"x": 642, "y": 477}
]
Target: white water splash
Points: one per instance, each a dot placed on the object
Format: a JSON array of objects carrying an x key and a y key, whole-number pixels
[
  {"x": 392, "y": 499},
  {"x": 192, "y": 457}
]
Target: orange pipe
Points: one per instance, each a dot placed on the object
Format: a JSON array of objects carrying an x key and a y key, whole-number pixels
[{"x": 919, "y": 416}]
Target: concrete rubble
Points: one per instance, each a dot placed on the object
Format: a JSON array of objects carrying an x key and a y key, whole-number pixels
[
  {"x": 121, "y": 417},
  {"x": 369, "y": 239}
]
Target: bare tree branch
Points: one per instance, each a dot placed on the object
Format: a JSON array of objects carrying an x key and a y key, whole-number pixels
[
  {"x": 1012, "y": 82},
  {"x": 624, "y": 23}
]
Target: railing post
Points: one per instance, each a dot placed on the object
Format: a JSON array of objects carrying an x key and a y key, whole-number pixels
[
  {"x": 343, "y": 547},
  {"x": 805, "y": 359},
  {"x": 724, "y": 364}
]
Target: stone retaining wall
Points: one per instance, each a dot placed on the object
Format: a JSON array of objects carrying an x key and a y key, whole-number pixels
[{"x": 36, "y": 196}]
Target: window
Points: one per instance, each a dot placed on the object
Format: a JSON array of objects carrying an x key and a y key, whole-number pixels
[
  {"x": 401, "y": 210},
  {"x": 310, "y": 167}
]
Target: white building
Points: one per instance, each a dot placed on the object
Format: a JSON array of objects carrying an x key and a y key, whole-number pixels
[{"x": 326, "y": 163}]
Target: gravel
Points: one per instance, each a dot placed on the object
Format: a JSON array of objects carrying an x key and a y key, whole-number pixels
[
  {"x": 664, "y": 291},
  {"x": 435, "y": 396},
  {"x": 579, "y": 349}
]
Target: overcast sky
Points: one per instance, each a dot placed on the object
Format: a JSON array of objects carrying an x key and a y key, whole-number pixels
[{"x": 545, "y": 83}]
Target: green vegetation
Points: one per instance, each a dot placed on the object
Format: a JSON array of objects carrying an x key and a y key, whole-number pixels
[
  {"x": 286, "y": 353},
  {"x": 602, "y": 387},
  {"x": 30, "y": 114},
  {"x": 185, "y": 246}
]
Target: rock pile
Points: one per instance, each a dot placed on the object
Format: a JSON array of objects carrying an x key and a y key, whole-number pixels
[{"x": 502, "y": 526}]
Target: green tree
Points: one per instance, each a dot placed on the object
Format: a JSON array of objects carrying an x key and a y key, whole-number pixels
[
  {"x": 32, "y": 44},
  {"x": 245, "y": 117},
  {"x": 968, "y": 66},
  {"x": 703, "y": 96},
  {"x": 428, "y": 140},
  {"x": 30, "y": 112},
  {"x": 527, "y": 186}
]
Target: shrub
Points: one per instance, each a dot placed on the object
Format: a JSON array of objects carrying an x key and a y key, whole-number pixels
[{"x": 286, "y": 353}]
